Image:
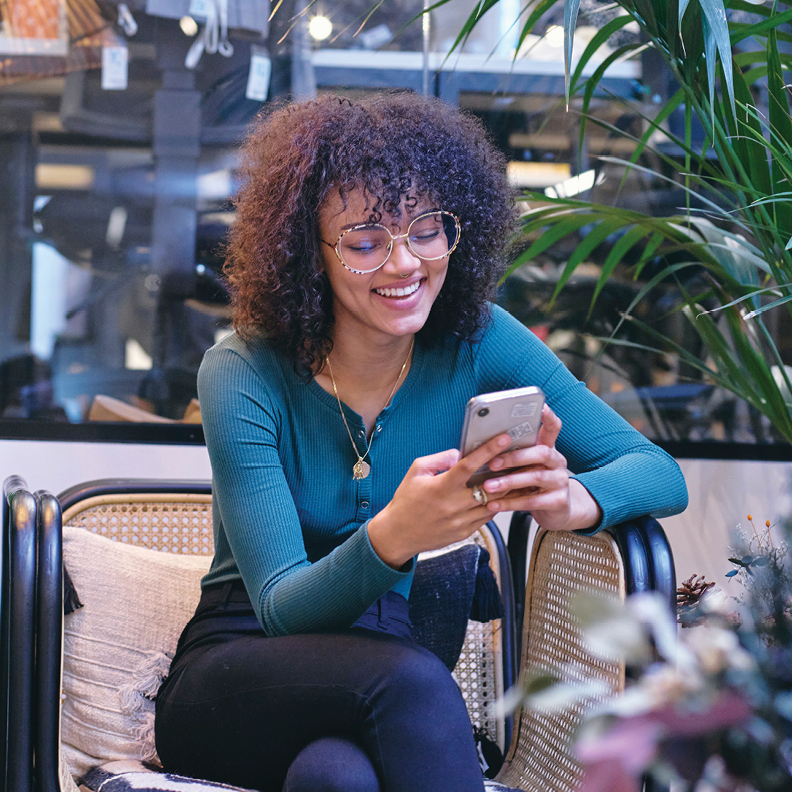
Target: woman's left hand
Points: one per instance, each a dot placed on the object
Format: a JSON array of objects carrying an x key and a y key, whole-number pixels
[{"x": 541, "y": 484}]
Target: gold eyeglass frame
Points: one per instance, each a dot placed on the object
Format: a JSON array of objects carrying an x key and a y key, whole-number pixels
[{"x": 393, "y": 239}]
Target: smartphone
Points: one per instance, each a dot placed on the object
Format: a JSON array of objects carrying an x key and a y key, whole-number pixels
[{"x": 516, "y": 412}]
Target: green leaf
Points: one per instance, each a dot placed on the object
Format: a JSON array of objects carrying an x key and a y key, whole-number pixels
[
  {"x": 660, "y": 176},
  {"x": 593, "y": 81},
  {"x": 735, "y": 263},
  {"x": 571, "y": 9},
  {"x": 769, "y": 396},
  {"x": 600, "y": 38},
  {"x": 548, "y": 238},
  {"x": 594, "y": 238},
  {"x": 745, "y": 297},
  {"x": 781, "y": 125},
  {"x": 751, "y": 8},
  {"x": 654, "y": 242},
  {"x": 535, "y": 16},
  {"x": 633, "y": 236},
  {"x": 769, "y": 306},
  {"x": 683, "y": 4},
  {"x": 718, "y": 34},
  {"x": 759, "y": 56},
  {"x": 745, "y": 31},
  {"x": 655, "y": 123},
  {"x": 710, "y": 61},
  {"x": 469, "y": 23},
  {"x": 744, "y": 149}
]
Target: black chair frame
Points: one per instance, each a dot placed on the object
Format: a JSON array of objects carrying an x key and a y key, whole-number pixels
[{"x": 31, "y": 605}]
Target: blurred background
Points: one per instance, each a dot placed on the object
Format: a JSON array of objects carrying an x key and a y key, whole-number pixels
[{"x": 119, "y": 124}]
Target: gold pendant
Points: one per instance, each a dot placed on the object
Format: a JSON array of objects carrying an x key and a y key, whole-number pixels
[{"x": 361, "y": 469}]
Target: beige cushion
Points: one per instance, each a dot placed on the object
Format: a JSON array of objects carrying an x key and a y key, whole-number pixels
[{"x": 119, "y": 645}]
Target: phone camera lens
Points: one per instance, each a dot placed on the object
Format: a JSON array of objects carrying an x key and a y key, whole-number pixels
[{"x": 483, "y": 411}]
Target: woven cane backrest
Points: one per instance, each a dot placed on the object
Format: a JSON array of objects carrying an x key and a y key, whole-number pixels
[
  {"x": 182, "y": 524},
  {"x": 170, "y": 523},
  {"x": 562, "y": 564}
]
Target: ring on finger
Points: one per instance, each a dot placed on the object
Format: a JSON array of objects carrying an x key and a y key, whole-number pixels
[{"x": 480, "y": 496}]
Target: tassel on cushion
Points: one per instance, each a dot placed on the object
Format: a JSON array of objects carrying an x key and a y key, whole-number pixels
[
  {"x": 136, "y": 697},
  {"x": 71, "y": 601},
  {"x": 487, "y": 603},
  {"x": 144, "y": 736},
  {"x": 149, "y": 675}
]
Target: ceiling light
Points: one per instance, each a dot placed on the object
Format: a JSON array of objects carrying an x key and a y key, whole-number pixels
[
  {"x": 320, "y": 27},
  {"x": 188, "y": 25}
]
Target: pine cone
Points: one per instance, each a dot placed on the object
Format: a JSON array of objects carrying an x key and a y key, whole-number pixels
[
  {"x": 689, "y": 596},
  {"x": 692, "y": 590}
]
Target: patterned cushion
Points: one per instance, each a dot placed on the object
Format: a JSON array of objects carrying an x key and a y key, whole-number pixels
[
  {"x": 136, "y": 777},
  {"x": 441, "y": 599}
]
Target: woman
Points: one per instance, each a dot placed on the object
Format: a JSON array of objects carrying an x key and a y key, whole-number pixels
[{"x": 369, "y": 236}]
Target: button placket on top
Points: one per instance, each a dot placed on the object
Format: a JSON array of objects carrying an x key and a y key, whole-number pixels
[{"x": 365, "y": 487}]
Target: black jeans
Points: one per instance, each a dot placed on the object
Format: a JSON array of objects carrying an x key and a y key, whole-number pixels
[{"x": 360, "y": 710}]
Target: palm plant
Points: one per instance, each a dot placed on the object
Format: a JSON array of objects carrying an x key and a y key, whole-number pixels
[{"x": 737, "y": 223}]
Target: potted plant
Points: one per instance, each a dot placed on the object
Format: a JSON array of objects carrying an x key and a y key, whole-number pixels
[{"x": 735, "y": 231}]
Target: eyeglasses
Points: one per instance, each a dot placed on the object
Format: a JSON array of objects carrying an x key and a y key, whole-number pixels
[{"x": 365, "y": 248}]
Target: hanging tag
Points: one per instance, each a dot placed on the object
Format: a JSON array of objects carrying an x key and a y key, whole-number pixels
[
  {"x": 259, "y": 74},
  {"x": 115, "y": 68}
]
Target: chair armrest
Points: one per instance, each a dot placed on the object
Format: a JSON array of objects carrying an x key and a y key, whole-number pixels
[
  {"x": 647, "y": 557},
  {"x": 519, "y": 531},
  {"x": 20, "y": 511},
  {"x": 90, "y": 489},
  {"x": 49, "y": 621}
]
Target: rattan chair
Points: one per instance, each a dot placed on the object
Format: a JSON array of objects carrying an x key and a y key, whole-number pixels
[
  {"x": 631, "y": 557},
  {"x": 176, "y": 517}
]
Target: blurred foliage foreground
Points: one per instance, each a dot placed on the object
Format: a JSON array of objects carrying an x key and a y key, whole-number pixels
[{"x": 711, "y": 709}]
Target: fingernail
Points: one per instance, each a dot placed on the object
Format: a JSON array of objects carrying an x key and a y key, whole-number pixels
[
  {"x": 496, "y": 464},
  {"x": 494, "y": 506},
  {"x": 504, "y": 440},
  {"x": 492, "y": 485}
]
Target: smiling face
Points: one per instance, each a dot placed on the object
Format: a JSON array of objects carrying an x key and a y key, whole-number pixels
[{"x": 394, "y": 301}]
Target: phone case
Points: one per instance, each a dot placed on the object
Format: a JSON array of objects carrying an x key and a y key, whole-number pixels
[{"x": 517, "y": 412}]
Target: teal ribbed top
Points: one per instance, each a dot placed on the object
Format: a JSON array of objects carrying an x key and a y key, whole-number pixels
[{"x": 290, "y": 519}]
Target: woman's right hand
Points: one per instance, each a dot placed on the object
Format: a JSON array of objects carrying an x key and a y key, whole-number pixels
[{"x": 433, "y": 506}]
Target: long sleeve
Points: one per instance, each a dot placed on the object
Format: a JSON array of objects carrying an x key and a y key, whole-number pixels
[
  {"x": 260, "y": 521},
  {"x": 625, "y": 472}
]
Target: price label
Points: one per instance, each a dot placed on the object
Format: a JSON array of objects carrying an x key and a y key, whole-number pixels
[
  {"x": 259, "y": 75},
  {"x": 115, "y": 68}
]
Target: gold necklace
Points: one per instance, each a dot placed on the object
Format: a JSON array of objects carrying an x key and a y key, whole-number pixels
[{"x": 361, "y": 468}]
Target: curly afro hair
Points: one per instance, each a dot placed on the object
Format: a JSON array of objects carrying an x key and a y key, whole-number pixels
[{"x": 397, "y": 147}]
